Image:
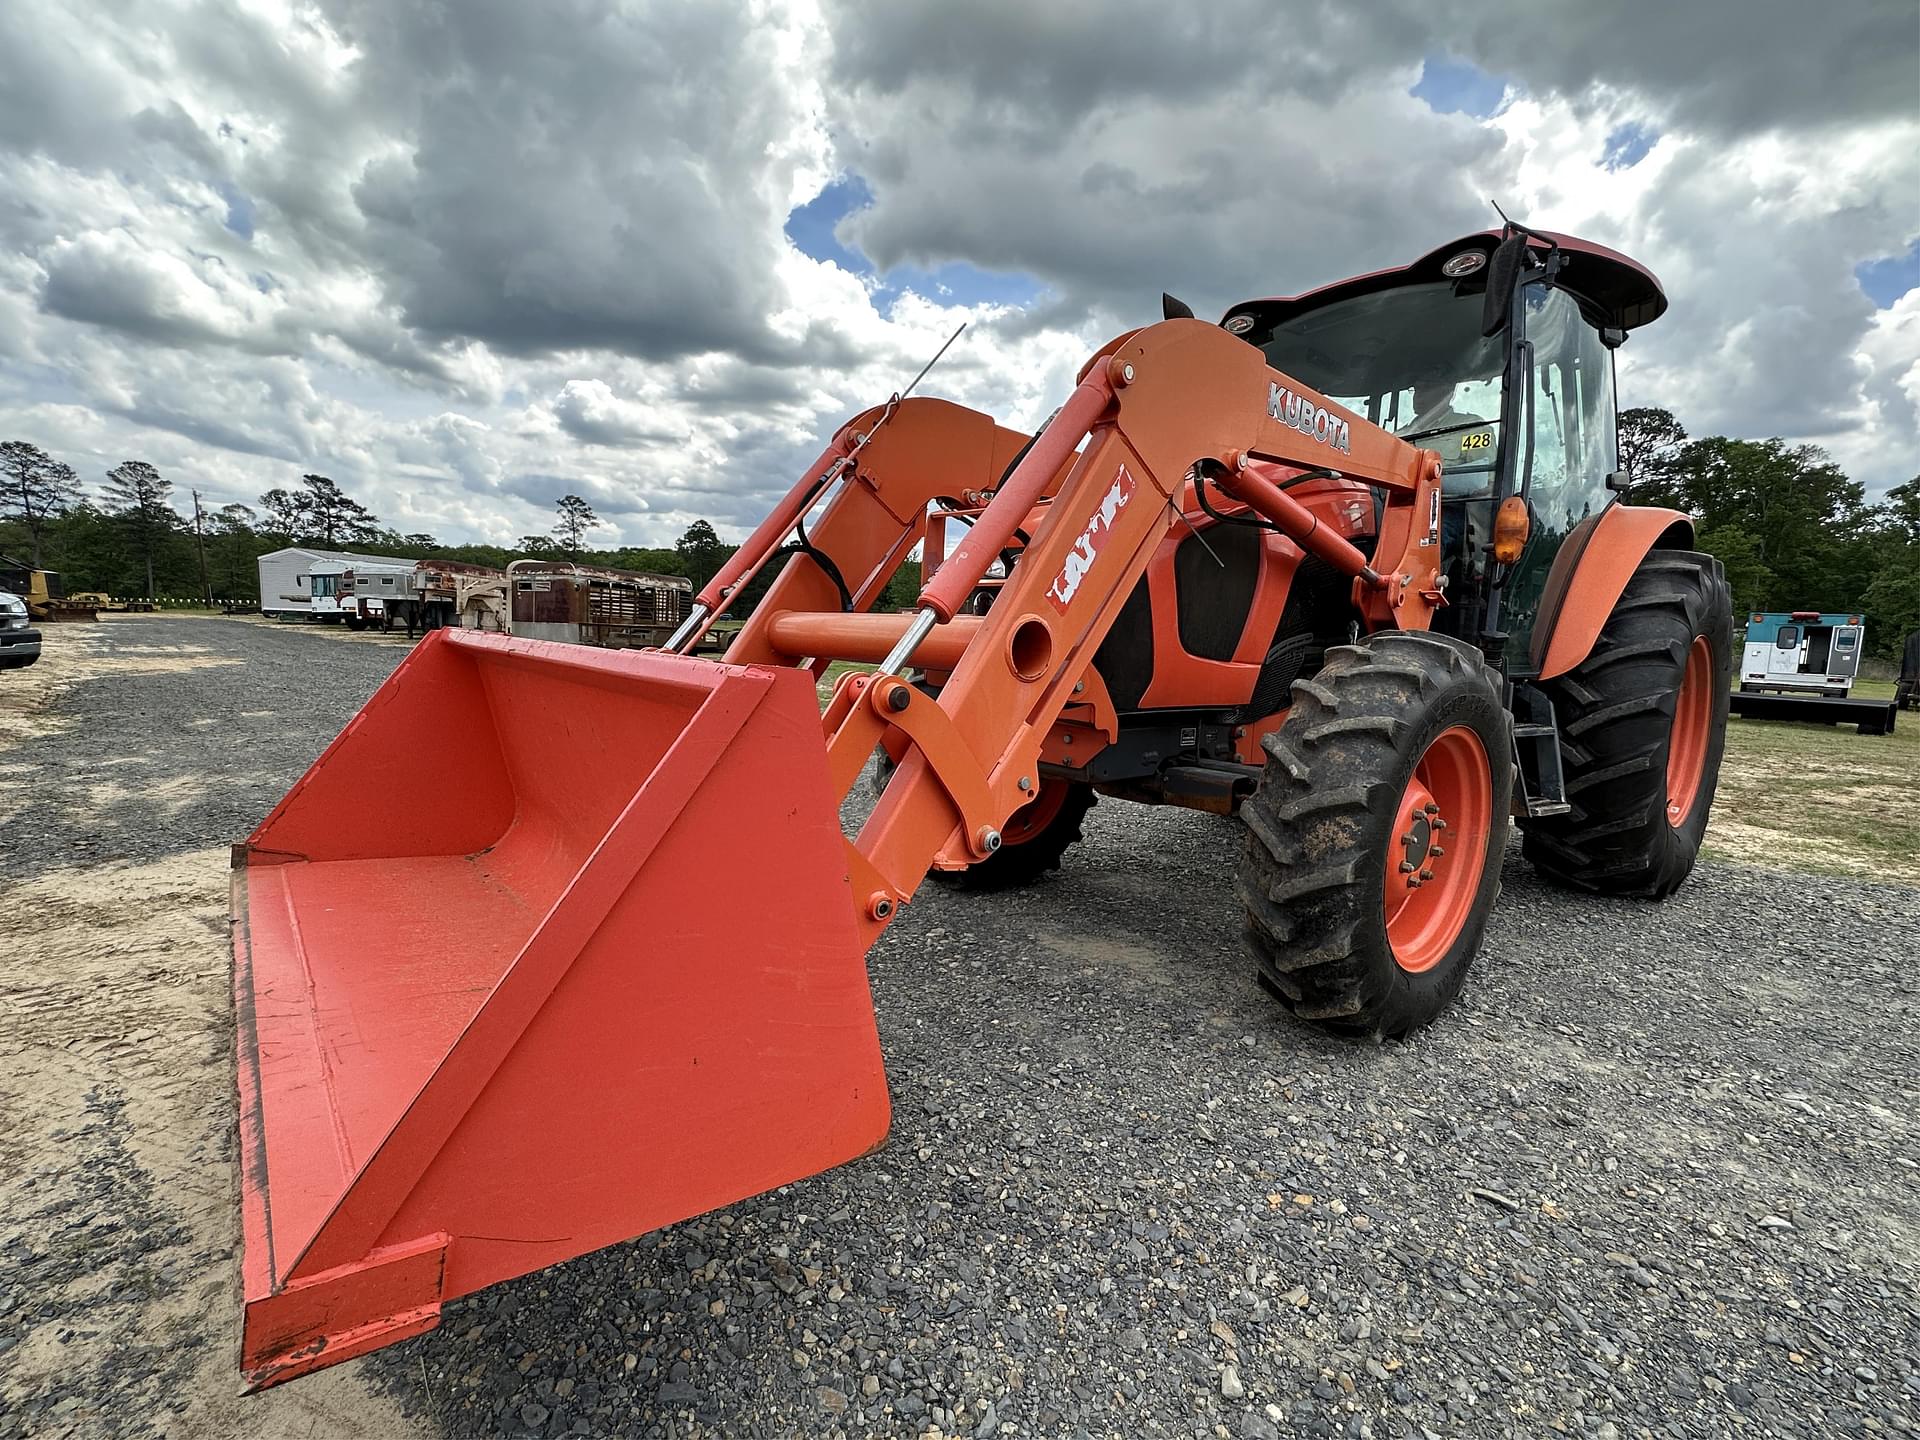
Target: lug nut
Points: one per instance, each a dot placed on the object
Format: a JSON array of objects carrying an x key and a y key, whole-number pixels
[
  {"x": 1439, "y": 824},
  {"x": 1437, "y": 852},
  {"x": 1406, "y": 867},
  {"x": 1430, "y": 809},
  {"x": 1426, "y": 874}
]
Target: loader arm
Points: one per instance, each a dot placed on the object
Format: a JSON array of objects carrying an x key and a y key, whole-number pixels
[{"x": 1160, "y": 410}]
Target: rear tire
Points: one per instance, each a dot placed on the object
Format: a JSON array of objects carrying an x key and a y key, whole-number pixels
[
  {"x": 1341, "y": 935},
  {"x": 1640, "y": 769}
]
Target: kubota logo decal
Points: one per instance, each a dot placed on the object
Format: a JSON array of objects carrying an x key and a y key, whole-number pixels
[
  {"x": 1087, "y": 548},
  {"x": 1309, "y": 419}
]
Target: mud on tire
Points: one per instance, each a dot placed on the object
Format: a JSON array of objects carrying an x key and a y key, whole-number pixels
[
  {"x": 1325, "y": 827},
  {"x": 1626, "y": 834}
]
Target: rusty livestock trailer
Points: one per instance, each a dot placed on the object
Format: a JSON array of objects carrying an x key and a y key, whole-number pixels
[{"x": 585, "y": 605}]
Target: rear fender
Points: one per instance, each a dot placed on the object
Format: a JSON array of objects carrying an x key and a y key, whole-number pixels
[{"x": 1595, "y": 562}]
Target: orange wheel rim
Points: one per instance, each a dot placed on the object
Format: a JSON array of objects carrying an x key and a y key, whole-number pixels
[
  {"x": 1692, "y": 724},
  {"x": 1034, "y": 816},
  {"x": 1439, "y": 849}
]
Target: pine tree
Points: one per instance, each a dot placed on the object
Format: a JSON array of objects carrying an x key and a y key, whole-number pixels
[
  {"x": 576, "y": 518},
  {"x": 139, "y": 496},
  {"x": 34, "y": 488},
  {"x": 332, "y": 516}
]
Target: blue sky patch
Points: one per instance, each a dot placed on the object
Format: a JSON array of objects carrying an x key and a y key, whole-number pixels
[
  {"x": 1628, "y": 145},
  {"x": 811, "y": 226},
  {"x": 1885, "y": 280},
  {"x": 239, "y": 210},
  {"x": 957, "y": 283},
  {"x": 1458, "y": 87}
]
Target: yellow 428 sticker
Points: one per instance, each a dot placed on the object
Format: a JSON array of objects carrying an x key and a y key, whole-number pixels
[{"x": 1479, "y": 440}]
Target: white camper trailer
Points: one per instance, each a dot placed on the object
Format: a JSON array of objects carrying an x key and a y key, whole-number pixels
[{"x": 286, "y": 578}]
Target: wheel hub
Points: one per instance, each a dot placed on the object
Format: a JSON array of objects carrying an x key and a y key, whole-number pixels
[{"x": 1420, "y": 841}]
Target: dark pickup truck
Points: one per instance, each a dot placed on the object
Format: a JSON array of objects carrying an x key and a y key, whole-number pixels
[{"x": 19, "y": 641}]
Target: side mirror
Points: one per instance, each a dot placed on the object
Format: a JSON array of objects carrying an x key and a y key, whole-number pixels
[
  {"x": 1503, "y": 274},
  {"x": 1172, "y": 309},
  {"x": 1619, "y": 482}
]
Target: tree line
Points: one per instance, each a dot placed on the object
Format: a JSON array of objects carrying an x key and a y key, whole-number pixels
[
  {"x": 1792, "y": 530},
  {"x": 134, "y": 537}
]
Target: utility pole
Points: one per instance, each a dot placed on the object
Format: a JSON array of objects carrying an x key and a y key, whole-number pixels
[{"x": 200, "y": 544}]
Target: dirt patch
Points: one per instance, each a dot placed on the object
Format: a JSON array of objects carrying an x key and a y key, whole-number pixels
[
  {"x": 119, "y": 1303},
  {"x": 117, "y": 1216},
  {"x": 156, "y": 664},
  {"x": 1106, "y": 953},
  {"x": 316, "y": 629},
  {"x": 26, "y": 696}
]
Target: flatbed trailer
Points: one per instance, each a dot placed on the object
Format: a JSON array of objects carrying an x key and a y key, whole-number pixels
[{"x": 1872, "y": 717}]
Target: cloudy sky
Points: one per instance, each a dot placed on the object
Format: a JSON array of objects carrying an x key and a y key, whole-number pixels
[{"x": 466, "y": 256}]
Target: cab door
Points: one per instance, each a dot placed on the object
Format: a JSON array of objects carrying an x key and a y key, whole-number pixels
[
  {"x": 1783, "y": 661},
  {"x": 1571, "y": 446},
  {"x": 1843, "y": 660}
]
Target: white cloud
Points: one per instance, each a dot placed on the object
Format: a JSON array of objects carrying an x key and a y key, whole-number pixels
[{"x": 466, "y": 258}]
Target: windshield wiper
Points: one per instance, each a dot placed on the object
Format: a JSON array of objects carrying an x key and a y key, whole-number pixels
[{"x": 1444, "y": 430}]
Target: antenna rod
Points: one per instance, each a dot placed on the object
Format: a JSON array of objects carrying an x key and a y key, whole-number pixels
[{"x": 933, "y": 362}]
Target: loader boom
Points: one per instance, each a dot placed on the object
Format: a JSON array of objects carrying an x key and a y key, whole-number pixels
[{"x": 1161, "y": 410}]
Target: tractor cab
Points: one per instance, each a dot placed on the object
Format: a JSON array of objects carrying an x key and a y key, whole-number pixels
[{"x": 1496, "y": 354}]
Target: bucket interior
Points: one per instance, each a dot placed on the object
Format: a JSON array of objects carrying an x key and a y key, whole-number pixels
[{"x": 384, "y": 899}]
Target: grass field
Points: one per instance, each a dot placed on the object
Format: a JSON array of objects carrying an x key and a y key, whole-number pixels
[{"x": 1822, "y": 797}]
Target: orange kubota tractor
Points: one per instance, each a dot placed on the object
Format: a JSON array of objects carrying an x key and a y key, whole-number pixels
[{"x": 1348, "y": 564}]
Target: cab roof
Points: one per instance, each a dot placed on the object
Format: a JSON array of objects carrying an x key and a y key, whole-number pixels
[{"x": 1612, "y": 290}]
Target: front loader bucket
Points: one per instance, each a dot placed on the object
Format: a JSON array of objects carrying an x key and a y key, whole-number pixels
[{"x": 553, "y": 946}]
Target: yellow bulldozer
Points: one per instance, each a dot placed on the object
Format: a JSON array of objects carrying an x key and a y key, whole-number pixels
[{"x": 46, "y": 598}]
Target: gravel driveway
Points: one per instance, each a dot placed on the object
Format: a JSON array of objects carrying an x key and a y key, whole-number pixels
[{"x": 1655, "y": 1174}]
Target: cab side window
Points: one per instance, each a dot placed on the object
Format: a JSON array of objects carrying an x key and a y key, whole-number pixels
[{"x": 1573, "y": 435}]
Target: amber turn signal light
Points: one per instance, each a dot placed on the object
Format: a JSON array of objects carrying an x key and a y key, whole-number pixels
[{"x": 1511, "y": 524}]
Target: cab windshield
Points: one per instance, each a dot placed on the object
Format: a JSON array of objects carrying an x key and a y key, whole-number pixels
[{"x": 1413, "y": 361}]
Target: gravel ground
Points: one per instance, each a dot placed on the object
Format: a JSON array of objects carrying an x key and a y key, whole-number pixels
[{"x": 1654, "y": 1175}]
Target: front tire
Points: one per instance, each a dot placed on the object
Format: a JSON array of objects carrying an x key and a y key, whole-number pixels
[
  {"x": 1375, "y": 840},
  {"x": 1643, "y": 722},
  {"x": 1032, "y": 841}
]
